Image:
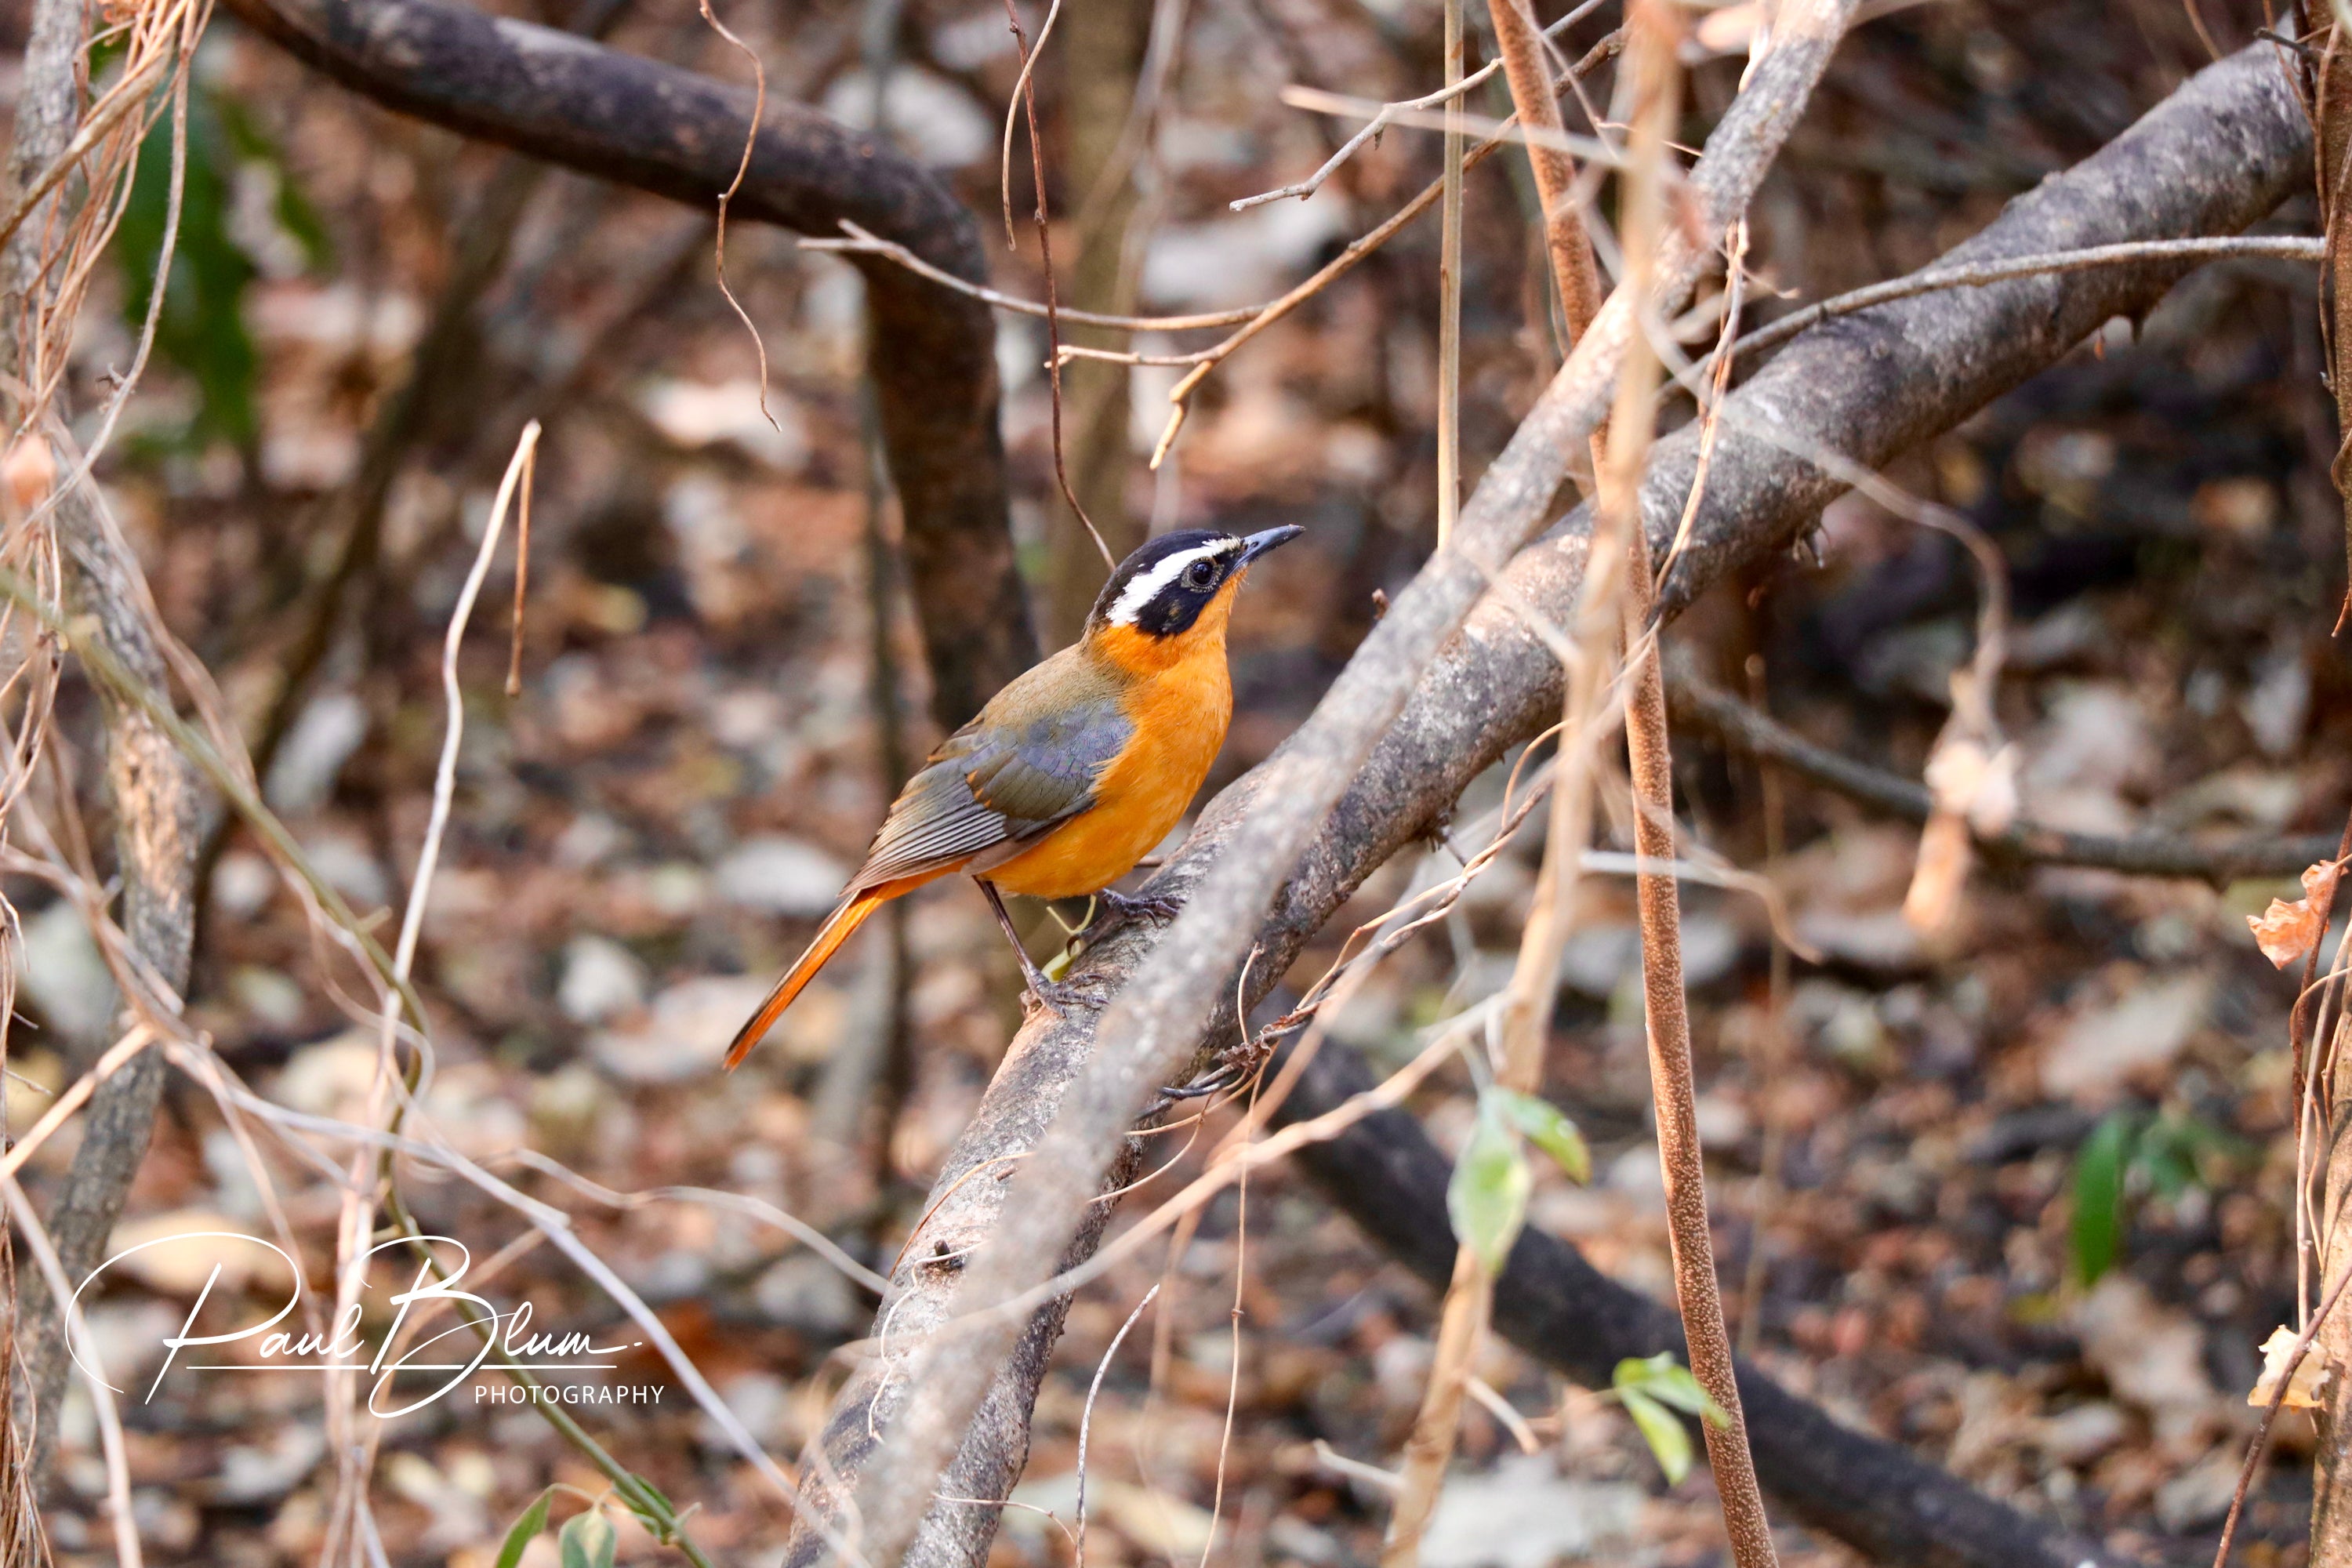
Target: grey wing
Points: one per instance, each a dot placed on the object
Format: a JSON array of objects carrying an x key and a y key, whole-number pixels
[
  {"x": 996, "y": 785},
  {"x": 1043, "y": 770},
  {"x": 935, "y": 821}
]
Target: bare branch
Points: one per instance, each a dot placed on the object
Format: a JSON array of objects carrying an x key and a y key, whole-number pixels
[
  {"x": 678, "y": 134},
  {"x": 1736, "y": 723},
  {"x": 1152, "y": 1026},
  {"x": 2216, "y": 156},
  {"x": 2283, "y": 247},
  {"x": 1390, "y": 113}
]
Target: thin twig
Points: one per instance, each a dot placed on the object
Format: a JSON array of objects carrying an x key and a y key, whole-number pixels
[
  {"x": 238, "y": 788},
  {"x": 522, "y": 574},
  {"x": 2024, "y": 841},
  {"x": 1449, "y": 287},
  {"x": 1512, "y": 130},
  {"x": 734, "y": 186},
  {"x": 1025, "y": 99},
  {"x": 1657, "y": 34},
  {"x": 1388, "y": 113},
  {"x": 1087, "y": 1418},
  {"x": 861, "y": 242},
  {"x": 2282, "y": 248}
]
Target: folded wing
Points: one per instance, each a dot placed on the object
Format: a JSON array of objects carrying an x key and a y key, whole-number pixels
[{"x": 997, "y": 785}]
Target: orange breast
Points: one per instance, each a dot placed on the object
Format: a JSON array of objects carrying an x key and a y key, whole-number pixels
[{"x": 1180, "y": 710}]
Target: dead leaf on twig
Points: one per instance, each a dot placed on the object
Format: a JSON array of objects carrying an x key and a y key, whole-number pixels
[
  {"x": 1975, "y": 787},
  {"x": 1727, "y": 30},
  {"x": 2285, "y": 931},
  {"x": 2303, "y": 1386},
  {"x": 1940, "y": 875}
]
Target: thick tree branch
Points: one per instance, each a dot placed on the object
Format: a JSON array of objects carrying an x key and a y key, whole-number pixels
[
  {"x": 159, "y": 811},
  {"x": 1154, "y": 1022},
  {"x": 678, "y": 134},
  {"x": 2211, "y": 159},
  {"x": 158, "y": 802}
]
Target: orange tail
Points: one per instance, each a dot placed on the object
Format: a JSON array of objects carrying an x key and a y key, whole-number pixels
[{"x": 837, "y": 930}]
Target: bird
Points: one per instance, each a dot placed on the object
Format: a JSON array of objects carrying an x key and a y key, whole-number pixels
[{"x": 1072, "y": 772}]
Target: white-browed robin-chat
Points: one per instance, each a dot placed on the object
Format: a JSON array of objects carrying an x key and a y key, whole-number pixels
[{"x": 1077, "y": 769}]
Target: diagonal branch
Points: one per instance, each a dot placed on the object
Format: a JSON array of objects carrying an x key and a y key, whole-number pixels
[
  {"x": 158, "y": 802},
  {"x": 661, "y": 129},
  {"x": 1154, "y": 1020},
  {"x": 2216, "y": 156}
]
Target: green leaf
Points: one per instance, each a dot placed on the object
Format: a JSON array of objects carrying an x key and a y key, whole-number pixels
[
  {"x": 1663, "y": 1430},
  {"x": 1663, "y": 1378},
  {"x": 2100, "y": 1168},
  {"x": 588, "y": 1541},
  {"x": 1488, "y": 1198},
  {"x": 526, "y": 1529},
  {"x": 201, "y": 329},
  {"x": 1545, "y": 1126}
]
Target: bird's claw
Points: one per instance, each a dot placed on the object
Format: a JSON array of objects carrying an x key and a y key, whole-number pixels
[
  {"x": 1118, "y": 908},
  {"x": 1055, "y": 996}
]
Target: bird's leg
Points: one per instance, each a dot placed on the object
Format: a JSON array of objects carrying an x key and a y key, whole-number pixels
[
  {"x": 1054, "y": 993},
  {"x": 1118, "y": 909}
]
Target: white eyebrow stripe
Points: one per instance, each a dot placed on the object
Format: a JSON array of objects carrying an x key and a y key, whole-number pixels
[{"x": 1146, "y": 584}]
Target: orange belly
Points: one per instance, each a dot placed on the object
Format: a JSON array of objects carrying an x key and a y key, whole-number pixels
[{"x": 1180, "y": 717}]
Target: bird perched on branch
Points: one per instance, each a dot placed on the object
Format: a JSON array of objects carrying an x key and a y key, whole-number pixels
[{"x": 1072, "y": 772}]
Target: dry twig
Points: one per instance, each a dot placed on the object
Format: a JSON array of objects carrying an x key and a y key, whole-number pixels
[
  {"x": 1154, "y": 1020},
  {"x": 1889, "y": 380}
]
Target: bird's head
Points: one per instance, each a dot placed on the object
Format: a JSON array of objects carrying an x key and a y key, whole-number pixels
[{"x": 1181, "y": 584}]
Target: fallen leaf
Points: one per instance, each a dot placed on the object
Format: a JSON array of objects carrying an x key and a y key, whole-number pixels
[
  {"x": 2301, "y": 1389},
  {"x": 2285, "y": 931},
  {"x": 2152, "y": 1355},
  {"x": 1969, "y": 781},
  {"x": 2148, "y": 1026}
]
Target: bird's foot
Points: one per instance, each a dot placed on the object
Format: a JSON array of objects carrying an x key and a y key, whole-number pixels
[
  {"x": 1050, "y": 996},
  {"x": 1118, "y": 909},
  {"x": 1055, "y": 996}
]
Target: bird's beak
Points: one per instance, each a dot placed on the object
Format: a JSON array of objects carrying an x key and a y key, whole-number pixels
[{"x": 1257, "y": 544}]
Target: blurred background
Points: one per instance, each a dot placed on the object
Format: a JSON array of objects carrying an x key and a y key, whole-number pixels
[{"x": 722, "y": 684}]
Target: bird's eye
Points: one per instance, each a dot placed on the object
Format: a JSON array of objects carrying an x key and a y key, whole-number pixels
[{"x": 1200, "y": 574}]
